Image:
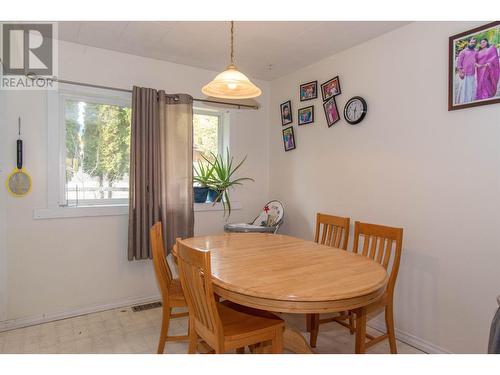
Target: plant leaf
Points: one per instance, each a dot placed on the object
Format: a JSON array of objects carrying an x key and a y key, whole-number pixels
[{"x": 217, "y": 173}]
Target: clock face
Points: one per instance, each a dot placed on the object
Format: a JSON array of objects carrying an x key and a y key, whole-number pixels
[{"x": 355, "y": 110}]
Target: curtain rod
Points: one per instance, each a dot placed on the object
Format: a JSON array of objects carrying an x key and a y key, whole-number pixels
[{"x": 32, "y": 76}]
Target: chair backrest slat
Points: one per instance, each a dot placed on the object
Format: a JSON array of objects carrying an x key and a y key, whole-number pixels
[
  {"x": 366, "y": 244},
  {"x": 333, "y": 230},
  {"x": 373, "y": 248},
  {"x": 380, "y": 251},
  {"x": 390, "y": 243},
  {"x": 329, "y": 235},
  {"x": 387, "y": 254},
  {"x": 334, "y": 241},
  {"x": 195, "y": 274},
  {"x": 162, "y": 270},
  {"x": 323, "y": 237}
]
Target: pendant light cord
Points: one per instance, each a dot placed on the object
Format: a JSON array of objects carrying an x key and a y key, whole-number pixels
[{"x": 232, "y": 41}]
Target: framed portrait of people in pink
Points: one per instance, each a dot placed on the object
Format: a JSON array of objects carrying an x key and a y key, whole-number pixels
[
  {"x": 474, "y": 67},
  {"x": 288, "y": 138},
  {"x": 330, "y": 88},
  {"x": 331, "y": 111}
]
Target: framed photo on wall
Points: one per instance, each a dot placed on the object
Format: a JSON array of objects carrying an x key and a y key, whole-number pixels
[
  {"x": 306, "y": 115},
  {"x": 331, "y": 111},
  {"x": 288, "y": 138},
  {"x": 286, "y": 113},
  {"x": 308, "y": 91},
  {"x": 330, "y": 88},
  {"x": 474, "y": 68}
]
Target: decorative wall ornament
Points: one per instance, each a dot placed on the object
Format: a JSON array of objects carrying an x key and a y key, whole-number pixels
[
  {"x": 331, "y": 111},
  {"x": 474, "y": 68},
  {"x": 330, "y": 88},
  {"x": 306, "y": 115},
  {"x": 308, "y": 91},
  {"x": 288, "y": 138},
  {"x": 286, "y": 113}
]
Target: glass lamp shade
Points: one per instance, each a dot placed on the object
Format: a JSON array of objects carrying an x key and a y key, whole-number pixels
[{"x": 231, "y": 84}]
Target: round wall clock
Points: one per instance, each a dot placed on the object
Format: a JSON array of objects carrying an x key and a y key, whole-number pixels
[{"x": 355, "y": 110}]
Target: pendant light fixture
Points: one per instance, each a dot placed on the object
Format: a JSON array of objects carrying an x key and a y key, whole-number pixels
[{"x": 231, "y": 83}]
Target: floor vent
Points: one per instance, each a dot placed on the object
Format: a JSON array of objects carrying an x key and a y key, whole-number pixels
[{"x": 146, "y": 306}]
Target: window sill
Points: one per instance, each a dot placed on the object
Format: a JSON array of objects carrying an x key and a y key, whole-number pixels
[
  {"x": 82, "y": 211},
  {"x": 202, "y": 207},
  {"x": 115, "y": 210}
]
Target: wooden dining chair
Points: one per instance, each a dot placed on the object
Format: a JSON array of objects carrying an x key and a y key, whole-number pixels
[
  {"x": 223, "y": 326},
  {"x": 383, "y": 245},
  {"x": 171, "y": 289},
  {"x": 330, "y": 231}
]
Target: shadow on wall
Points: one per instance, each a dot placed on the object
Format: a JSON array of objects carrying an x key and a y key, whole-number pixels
[
  {"x": 418, "y": 278},
  {"x": 301, "y": 225}
]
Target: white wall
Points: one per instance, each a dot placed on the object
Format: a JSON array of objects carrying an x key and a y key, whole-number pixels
[
  {"x": 61, "y": 265},
  {"x": 3, "y": 218},
  {"x": 410, "y": 163}
]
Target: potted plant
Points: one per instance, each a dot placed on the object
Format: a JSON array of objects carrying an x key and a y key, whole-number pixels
[
  {"x": 222, "y": 178},
  {"x": 202, "y": 176}
]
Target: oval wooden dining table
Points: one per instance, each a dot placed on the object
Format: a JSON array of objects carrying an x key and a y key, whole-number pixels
[{"x": 285, "y": 274}]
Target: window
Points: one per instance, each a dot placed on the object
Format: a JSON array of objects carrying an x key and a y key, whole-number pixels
[
  {"x": 89, "y": 146},
  {"x": 94, "y": 148},
  {"x": 97, "y": 152},
  {"x": 207, "y": 134}
]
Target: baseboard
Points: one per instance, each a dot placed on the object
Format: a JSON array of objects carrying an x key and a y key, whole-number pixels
[
  {"x": 7, "y": 325},
  {"x": 410, "y": 339}
]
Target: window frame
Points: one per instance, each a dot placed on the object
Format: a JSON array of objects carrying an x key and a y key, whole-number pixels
[
  {"x": 221, "y": 126},
  {"x": 57, "y": 141},
  {"x": 56, "y": 163}
]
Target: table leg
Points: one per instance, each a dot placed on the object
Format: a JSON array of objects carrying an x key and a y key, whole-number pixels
[
  {"x": 313, "y": 331},
  {"x": 294, "y": 342},
  {"x": 360, "y": 330},
  {"x": 308, "y": 322}
]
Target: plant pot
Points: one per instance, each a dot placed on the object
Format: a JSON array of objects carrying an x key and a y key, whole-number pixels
[
  {"x": 212, "y": 196},
  {"x": 200, "y": 194}
]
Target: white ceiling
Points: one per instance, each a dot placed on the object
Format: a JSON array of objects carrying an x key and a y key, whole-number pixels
[{"x": 264, "y": 50}]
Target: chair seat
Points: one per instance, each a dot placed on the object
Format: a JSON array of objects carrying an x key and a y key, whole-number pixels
[
  {"x": 240, "y": 321},
  {"x": 176, "y": 296}
]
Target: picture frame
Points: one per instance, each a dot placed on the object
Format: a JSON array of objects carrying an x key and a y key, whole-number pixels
[
  {"x": 331, "y": 111},
  {"x": 308, "y": 91},
  {"x": 474, "y": 68},
  {"x": 305, "y": 115},
  {"x": 331, "y": 88},
  {"x": 286, "y": 113},
  {"x": 288, "y": 139}
]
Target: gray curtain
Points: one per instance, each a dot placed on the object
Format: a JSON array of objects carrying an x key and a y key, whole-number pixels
[{"x": 161, "y": 169}]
